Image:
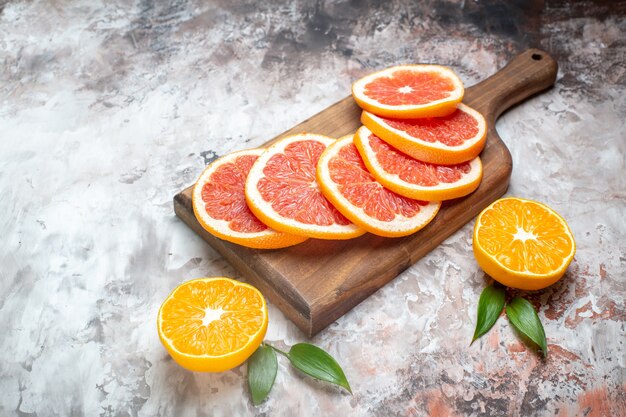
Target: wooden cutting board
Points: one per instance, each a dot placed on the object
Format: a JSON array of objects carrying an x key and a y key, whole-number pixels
[{"x": 316, "y": 282}]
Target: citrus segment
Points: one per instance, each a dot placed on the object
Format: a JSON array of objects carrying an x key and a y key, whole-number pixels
[
  {"x": 212, "y": 324},
  {"x": 409, "y": 91},
  {"x": 346, "y": 182},
  {"x": 219, "y": 204},
  {"x": 452, "y": 139},
  {"x": 412, "y": 178},
  {"x": 522, "y": 243},
  {"x": 282, "y": 191}
]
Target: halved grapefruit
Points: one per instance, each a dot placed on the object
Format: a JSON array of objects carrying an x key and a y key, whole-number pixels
[
  {"x": 220, "y": 205},
  {"x": 346, "y": 182},
  {"x": 452, "y": 139},
  {"x": 281, "y": 190},
  {"x": 413, "y": 178},
  {"x": 409, "y": 91}
]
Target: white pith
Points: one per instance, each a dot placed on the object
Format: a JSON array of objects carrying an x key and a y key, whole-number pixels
[
  {"x": 211, "y": 315},
  {"x": 223, "y": 226},
  {"x": 363, "y": 136},
  {"x": 523, "y": 235},
  {"x": 256, "y": 174},
  {"x": 482, "y": 128},
  {"x": 399, "y": 224},
  {"x": 358, "y": 87}
]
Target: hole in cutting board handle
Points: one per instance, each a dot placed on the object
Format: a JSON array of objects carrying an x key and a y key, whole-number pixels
[{"x": 536, "y": 57}]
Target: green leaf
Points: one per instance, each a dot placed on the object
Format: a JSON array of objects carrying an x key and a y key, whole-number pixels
[
  {"x": 490, "y": 306},
  {"x": 523, "y": 316},
  {"x": 262, "y": 368},
  {"x": 315, "y": 362}
]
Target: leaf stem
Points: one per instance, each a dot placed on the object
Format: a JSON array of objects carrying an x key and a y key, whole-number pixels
[{"x": 285, "y": 354}]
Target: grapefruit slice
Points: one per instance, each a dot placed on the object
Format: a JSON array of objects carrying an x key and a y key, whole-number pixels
[
  {"x": 409, "y": 91},
  {"x": 220, "y": 205},
  {"x": 412, "y": 178},
  {"x": 281, "y": 190},
  {"x": 452, "y": 139},
  {"x": 346, "y": 182}
]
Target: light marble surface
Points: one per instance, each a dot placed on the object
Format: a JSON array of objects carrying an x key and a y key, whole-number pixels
[{"x": 109, "y": 108}]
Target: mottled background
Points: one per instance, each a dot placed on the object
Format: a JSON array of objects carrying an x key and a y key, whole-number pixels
[{"x": 109, "y": 108}]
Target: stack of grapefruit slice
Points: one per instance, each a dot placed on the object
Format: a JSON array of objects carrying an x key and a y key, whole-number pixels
[
  {"x": 419, "y": 145},
  {"x": 419, "y": 140}
]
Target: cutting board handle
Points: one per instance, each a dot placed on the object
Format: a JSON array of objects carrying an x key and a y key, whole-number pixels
[{"x": 528, "y": 73}]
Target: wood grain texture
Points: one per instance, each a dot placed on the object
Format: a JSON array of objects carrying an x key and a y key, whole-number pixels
[{"x": 318, "y": 281}]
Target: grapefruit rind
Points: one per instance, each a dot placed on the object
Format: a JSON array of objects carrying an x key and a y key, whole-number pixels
[
  {"x": 442, "y": 191},
  {"x": 266, "y": 239},
  {"x": 400, "y": 226},
  {"x": 524, "y": 280},
  {"x": 266, "y": 213},
  {"x": 436, "y": 108},
  {"x": 207, "y": 362},
  {"x": 432, "y": 152}
]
